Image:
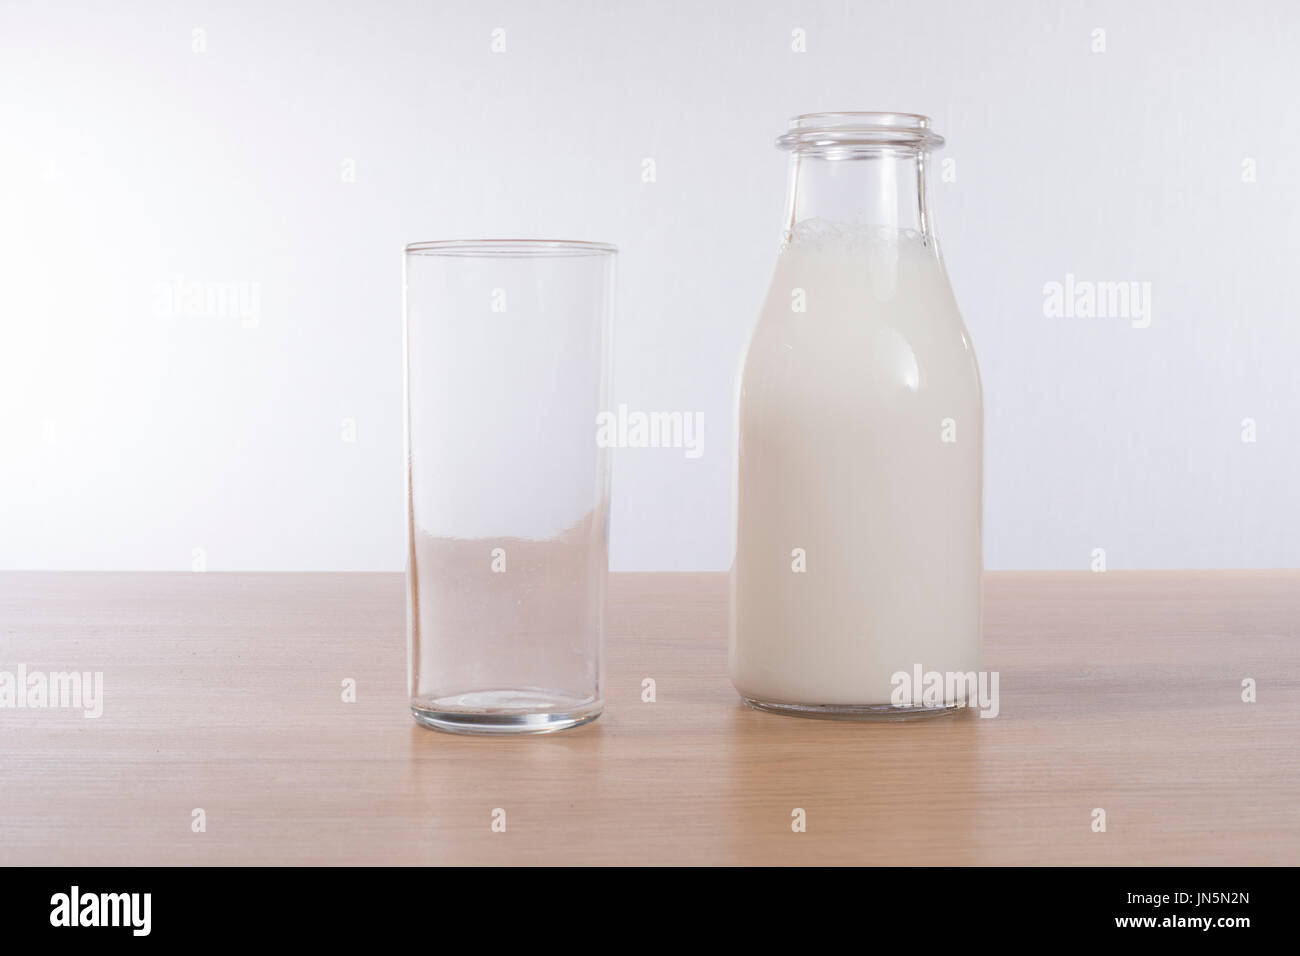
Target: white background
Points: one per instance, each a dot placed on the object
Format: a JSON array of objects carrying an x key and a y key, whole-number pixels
[{"x": 130, "y": 438}]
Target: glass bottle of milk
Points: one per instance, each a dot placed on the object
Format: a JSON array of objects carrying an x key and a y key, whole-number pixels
[{"x": 858, "y": 568}]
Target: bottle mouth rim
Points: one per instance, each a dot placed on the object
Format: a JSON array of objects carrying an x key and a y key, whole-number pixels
[{"x": 817, "y": 132}]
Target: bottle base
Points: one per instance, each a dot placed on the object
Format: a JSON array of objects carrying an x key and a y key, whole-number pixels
[
  {"x": 876, "y": 713},
  {"x": 505, "y": 712}
]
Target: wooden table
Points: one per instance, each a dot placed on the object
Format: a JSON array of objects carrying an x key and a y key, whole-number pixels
[{"x": 1119, "y": 691}]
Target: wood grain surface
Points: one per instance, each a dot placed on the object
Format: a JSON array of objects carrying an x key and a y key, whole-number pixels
[{"x": 1119, "y": 691}]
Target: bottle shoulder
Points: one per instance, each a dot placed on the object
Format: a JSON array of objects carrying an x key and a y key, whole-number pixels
[{"x": 845, "y": 333}]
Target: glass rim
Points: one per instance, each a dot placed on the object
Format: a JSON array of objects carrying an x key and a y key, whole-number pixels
[{"x": 510, "y": 248}]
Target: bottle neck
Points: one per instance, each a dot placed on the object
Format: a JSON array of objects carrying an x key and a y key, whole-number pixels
[{"x": 878, "y": 189}]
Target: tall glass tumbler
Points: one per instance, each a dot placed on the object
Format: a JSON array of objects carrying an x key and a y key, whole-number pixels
[{"x": 508, "y": 354}]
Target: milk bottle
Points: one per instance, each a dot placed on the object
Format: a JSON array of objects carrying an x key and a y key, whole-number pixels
[{"x": 860, "y": 431}]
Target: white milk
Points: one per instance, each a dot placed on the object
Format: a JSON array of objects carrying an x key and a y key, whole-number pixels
[{"x": 860, "y": 432}]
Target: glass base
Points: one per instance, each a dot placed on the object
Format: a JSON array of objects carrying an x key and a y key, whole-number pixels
[
  {"x": 506, "y": 711},
  {"x": 861, "y": 712}
]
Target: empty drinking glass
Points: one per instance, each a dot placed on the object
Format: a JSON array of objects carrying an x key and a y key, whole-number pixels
[{"x": 508, "y": 346}]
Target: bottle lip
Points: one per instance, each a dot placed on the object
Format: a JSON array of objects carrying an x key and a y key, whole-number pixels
[{"x": 823, "y": 132}]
